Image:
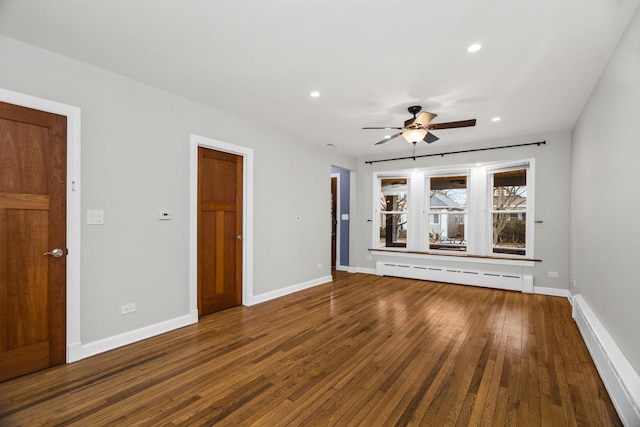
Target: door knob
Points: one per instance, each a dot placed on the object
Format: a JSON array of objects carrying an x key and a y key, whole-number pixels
[
  {"x": 239, "y": 237},
  {"x": 56, "y": 253}
]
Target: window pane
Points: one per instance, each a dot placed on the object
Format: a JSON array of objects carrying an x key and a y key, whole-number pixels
[
  {"x": 449, "y": 233},
  {"x": 448, "y": 193},
  {"x": 510, "y": 190},
  {"x": 393, "y": 197},
  {"x": 393, "y": 230},
  {"x": 509, "y": 233}
]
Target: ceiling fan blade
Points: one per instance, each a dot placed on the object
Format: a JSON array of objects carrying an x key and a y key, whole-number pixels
[
  {"x": 381, "y": 128},
  {"x": 451, "y": 125},
  {"x": 388, "y": 139},
  {"x": 429, "y": 138},
  {"x": 424, "y": 119}
]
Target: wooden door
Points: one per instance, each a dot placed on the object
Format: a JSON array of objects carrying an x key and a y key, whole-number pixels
[
  {"x": 32, "y": 222},
  {"x": 334, "y": 220},
  {"x": 219, "y": 230}
]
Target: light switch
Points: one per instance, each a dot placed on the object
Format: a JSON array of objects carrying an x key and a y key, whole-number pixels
[
  {"x": 345, "y": 217},
  {"x": 95, "y": 217}
]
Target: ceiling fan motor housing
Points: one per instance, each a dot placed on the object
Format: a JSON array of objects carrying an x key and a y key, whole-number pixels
[{"x": 415, "y": 109}]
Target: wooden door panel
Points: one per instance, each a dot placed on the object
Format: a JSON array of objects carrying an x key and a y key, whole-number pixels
[
  {"x": 25, "y": 151},
  {"x": 32, "y": 221},
  {"x": 27, "y": 270},
  {"x": 219, "y": 225},
  {"x": 24, "y": 360}
]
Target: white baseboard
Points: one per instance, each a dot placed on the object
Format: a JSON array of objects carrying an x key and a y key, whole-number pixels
[
  {"x": 620, "y": 378},
  {"x": 100, "y": 346},
  {"x": 257, "y": 299},
  {"x": 554, "y": 292},
  {"x": 77, "y": 352},
  {"x": 365, "y": 270},
  {"x": 342, "y": 267}
]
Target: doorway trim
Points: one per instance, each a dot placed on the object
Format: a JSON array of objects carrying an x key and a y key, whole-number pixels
[
  {"x": 73, "y": 115},
  {"x": 247, "y": 218}
]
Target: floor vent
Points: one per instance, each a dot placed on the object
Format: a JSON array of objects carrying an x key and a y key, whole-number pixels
[{"x": 509, "y": 281}]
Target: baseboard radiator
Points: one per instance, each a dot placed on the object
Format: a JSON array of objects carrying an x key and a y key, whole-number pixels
[{"x": 462, "y": 276}]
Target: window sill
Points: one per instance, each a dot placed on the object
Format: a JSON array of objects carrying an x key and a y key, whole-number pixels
[{"x": 462, "y": 257}]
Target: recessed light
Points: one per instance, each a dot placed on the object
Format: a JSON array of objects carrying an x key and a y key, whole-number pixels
[
  {"x": 315, "y": 94},
  {"x": 474, "y": 48},
  {"x": 496, "y": 119}
]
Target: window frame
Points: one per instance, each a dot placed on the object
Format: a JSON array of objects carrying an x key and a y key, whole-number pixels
[
  {"x": 529, "y": 211},
  {"x": 456, "y": 172},
  {"x": 478, "y": 221},
  {"x": 378, "y": 212}
]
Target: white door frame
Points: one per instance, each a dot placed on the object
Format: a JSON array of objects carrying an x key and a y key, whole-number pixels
[
  {"x": 247, "y": 218},
  {"x": 73, "y": 115}
]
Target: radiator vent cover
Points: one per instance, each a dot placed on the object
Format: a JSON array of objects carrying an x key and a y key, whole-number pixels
[{"x": 509, "y": 281}]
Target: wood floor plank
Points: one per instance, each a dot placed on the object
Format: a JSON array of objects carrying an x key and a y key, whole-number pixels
[{"x": 362, "y": 350}]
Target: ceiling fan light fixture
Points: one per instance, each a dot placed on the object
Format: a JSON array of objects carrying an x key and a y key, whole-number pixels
[{"x": 414, "y": 135}]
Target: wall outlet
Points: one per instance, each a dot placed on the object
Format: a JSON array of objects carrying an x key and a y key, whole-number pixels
[
  {"x": 552, "y": 274},
  {"x": 128, "y": 308},
  {"x": 369, "y": 258},
  {"x": 319, "y": 265}
]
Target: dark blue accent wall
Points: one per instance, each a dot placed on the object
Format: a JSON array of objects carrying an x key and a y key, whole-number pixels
[{"x": 345, "y": 195}]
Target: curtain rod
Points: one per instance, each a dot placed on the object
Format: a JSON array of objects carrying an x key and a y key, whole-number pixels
[{"x": 370, "y": 162}]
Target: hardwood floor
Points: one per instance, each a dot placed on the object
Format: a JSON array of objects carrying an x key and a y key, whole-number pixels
[{"x": 363, "y": 350}]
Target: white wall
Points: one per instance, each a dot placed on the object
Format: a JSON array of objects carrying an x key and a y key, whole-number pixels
[
  {"x": 135, "y": 162},
  {"x": 605, "y": 179},
  {"x": 552, "y": 163}
]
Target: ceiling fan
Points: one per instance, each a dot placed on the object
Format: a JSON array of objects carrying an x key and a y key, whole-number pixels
[{"x": 417, "y": 129}]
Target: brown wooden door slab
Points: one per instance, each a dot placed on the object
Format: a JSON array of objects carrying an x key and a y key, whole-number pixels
[
  {"x": 32, "y": 222},
  {"x": 334, "y": 220},
  {"x": 219, "y": 230}
]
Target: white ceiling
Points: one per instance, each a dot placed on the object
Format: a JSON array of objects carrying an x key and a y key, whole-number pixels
[{"x": 369, "y": 59}]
